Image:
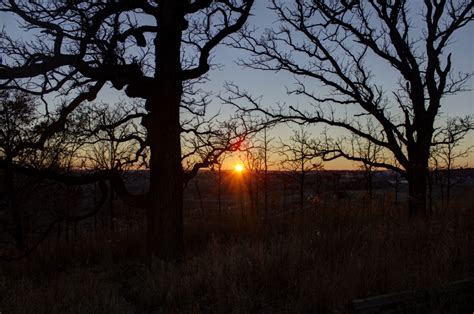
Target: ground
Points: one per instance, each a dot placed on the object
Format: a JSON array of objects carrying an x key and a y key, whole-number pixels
[{"x": 318, "y": 260}]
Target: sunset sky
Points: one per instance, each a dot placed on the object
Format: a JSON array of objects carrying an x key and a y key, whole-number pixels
[{"x": 272, "y": 86}]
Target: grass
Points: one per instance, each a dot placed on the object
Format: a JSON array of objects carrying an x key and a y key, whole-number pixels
[{"x": 316, "y": 261}]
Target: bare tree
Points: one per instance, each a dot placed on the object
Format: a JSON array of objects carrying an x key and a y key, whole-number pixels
[
  {"x": 20, "y": 122},
  {"x": 370, "y": 153},
  {"x": 217, "y": 167},
  {"x": 253, "y": 163},
  {"x": 353, "y": 147},
  {"x": 328, "y": 42},
  {"x": 219, "y": 163},
  {"x": 449, "y": 148},
  {"x": 153, "y": 49},
  {"x": 396, "y": 178},
  {"x": 264, "y": 143},
  {"x": 300, "y": 155},
  {"x": 109, "y": 143},
  {"x": 17, "y": 120}
]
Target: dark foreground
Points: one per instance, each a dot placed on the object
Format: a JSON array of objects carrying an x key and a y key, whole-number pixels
[{"x": 313, "y": 261}]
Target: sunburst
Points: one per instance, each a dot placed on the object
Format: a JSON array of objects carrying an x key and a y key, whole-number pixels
[{"x": 239, "y": 168}]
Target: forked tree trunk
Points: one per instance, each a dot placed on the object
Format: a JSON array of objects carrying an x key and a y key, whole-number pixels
[{"x": 165, "y": 211}]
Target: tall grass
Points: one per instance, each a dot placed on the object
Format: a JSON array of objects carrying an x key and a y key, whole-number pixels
[{"x": 316, "y": 261}]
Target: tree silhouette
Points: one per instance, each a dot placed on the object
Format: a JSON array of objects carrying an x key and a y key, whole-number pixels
[
  {"x": 108, "y": 141},
  {"x": 153, "y": 50},
  {"x": 449, "y": 148},
  {"x": 329, "y": 43},
  {"x": 17, "y": 121},
  {"x": 356, "y": 148},
  {"x": 263, "y": 143},
  {"x": 21, "y": 123},
  {"x": 300, "y": 153}
]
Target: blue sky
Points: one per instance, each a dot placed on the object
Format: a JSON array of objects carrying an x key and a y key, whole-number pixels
[{"x": 272, "y": 86}]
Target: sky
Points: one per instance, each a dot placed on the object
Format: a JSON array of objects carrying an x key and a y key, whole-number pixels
[{"x": 272, "y": 86}]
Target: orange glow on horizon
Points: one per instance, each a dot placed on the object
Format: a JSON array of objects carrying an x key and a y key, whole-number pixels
[{"x": 239, "y": 168}]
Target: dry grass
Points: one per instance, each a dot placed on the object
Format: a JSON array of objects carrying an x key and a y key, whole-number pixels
[{"x": 317, "y": 261}]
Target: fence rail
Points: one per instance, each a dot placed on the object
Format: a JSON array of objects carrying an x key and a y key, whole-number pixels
[{"x": 455, "y": 297}]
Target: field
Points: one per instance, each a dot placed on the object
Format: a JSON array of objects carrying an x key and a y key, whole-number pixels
[{"x": 345, "y": 244}]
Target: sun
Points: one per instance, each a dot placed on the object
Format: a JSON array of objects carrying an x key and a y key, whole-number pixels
[{"x": 239, "y": 168}]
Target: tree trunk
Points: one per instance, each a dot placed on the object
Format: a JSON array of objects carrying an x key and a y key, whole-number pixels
[
  {"x": 368, "y": 173},
  {"x": 165, "y": 212},
  {"x": 302, "y": 177},
  {"x": 417, "y": 190}
]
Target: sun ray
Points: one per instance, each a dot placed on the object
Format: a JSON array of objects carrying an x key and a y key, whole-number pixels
[{"x": 239, "y": 168}]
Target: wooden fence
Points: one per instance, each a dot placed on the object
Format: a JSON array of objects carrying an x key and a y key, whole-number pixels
[{"x": 456, "y": 297}]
